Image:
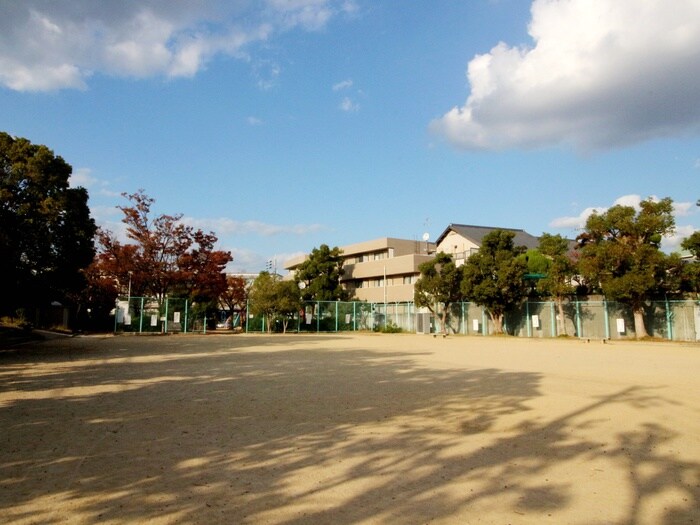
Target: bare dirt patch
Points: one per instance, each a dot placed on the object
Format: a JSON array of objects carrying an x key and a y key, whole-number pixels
[{"x": 349, "y": 429}]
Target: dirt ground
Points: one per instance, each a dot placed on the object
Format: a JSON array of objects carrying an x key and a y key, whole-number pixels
[{"x": 390, "y": 429}]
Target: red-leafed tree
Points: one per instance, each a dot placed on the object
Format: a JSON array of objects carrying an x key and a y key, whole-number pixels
[
  {"x": 167, "y": 257},
  {"x": 235, "y": 296},
  {"x": 202, "y": 268}
]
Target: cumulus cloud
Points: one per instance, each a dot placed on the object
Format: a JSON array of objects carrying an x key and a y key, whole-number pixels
[
  {"x": 47, "y": 45},
  {"x": 598, "y": 75},
  {"x": 669, "y": 243}
]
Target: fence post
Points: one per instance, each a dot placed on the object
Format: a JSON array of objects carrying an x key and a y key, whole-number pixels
[
  {"x": 116, "y": 313},
  {"x": 527, "y": 318},
  {"x": 247, "y": 319},
  {"x": 669, "y": 320},
  {"x": 205, "y": 324},
  {"x": 141, "y": 317},
  {"x": 318, "y": 316},
  {"x": 354, "y": 316},
  {"x": 186, "y": 305},
  {"x": 607, "y": 318},
  {"x": 483, "y": 321},
  {"x": 165, "y": 324},
  {"x": 578, "y": 319},
  {"x": 553, "y": 318},
  {"x": 336, "y": 315}
]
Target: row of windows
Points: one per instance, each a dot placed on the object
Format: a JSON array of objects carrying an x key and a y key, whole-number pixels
[
  {"x": 374, "y": 256},
  {"x": 390, "y": 281}
]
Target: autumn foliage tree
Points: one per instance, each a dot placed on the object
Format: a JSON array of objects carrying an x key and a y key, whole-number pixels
[
  {"x": 235, "y": 296},
  {"x": 166, "y": 257}
]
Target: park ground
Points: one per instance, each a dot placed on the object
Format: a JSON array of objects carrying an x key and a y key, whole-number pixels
[{"x": 346, "y": 429}]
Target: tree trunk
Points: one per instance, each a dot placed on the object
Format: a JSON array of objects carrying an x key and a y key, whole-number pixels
[
  {"x": 444, "y": 321},
  {"x": 639, "y": 328},
  {"x": 497, "y": 323},
  {"x": 561, "y": 321}
]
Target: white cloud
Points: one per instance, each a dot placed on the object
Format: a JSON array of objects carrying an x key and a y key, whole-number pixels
[
  {"x": 669, "y": 243},
  {"x": 599, "y": 74},
  {"x": 673, "y": 242},
  {"x": 348, "y": 105},
  {"x": 255, "y": 121},
  {"x": 56, "y": 45},
  {"x": 576, "y": 222},
  {"x": 345, "y": 84},
  {"x": 224, "y": 226},
  {"x": 82, "y": 177},
  {"x": 266, "y": 73}
]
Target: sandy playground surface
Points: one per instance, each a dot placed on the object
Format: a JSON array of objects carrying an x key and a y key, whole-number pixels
[{"x": 391, "y": 429}]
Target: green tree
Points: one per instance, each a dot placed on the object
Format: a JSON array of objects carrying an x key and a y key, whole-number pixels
[
  {"x": 262, "y": 297},
  {"x": 558, "y": 275},
  {"x": 288, "y": 299},
  {"x": 493, "y": 276},
  {"x": 536, "y": 262},
  {"x": 438, "y": 286},
  {"x": 274, "y": 299},
  {"x": 320, "y": 274},
  {"x": 46, "y": 232},
  {"x": 690, "y": 272},
  {"x": 620, "y": 254},
  {"x": 692, "y": 244}
]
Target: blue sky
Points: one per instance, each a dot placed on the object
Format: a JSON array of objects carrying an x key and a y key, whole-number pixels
[{"x": 285, "y": 124}]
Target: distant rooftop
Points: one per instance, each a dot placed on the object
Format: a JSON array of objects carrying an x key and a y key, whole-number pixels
[{"x": 477, "y": 233}]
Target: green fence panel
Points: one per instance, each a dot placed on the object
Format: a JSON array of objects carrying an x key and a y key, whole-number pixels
[{"x": 677, "y": 320}]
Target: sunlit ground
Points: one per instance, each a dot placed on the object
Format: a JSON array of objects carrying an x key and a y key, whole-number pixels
[{"x": 395, "y": 429}]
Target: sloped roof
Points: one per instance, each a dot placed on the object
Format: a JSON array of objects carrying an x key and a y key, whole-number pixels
[{"x": 477, "y": 233}]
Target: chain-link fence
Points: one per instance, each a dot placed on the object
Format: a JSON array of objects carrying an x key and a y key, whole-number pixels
[
  {"x": 673, "y": 320},
  {"x": 170, "y": 315}
]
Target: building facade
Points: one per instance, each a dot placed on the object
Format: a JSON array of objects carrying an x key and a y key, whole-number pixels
[
  {"x": 382, "y": 270},
  {"x": 385, "y": 270},
  {"x": 462, "y": 240}
]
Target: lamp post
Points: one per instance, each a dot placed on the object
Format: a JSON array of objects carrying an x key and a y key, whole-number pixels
[{"x": 128, "y": 295}]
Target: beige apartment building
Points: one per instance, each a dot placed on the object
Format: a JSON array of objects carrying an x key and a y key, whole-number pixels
[
  {"x": 380, "y": 271},
  {"x": 385, "y": 270}
]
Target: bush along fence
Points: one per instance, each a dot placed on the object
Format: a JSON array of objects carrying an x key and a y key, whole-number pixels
[
  {"x": 170, "y": 315},
  {"x": 672, "y": 320}
]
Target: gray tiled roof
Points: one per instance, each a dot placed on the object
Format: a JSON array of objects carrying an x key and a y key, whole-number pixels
[{"x": 477, "y": 233}]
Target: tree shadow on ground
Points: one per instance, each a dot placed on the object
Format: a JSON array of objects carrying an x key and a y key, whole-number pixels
[{"x": 208, "y": 430}]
